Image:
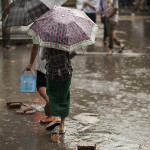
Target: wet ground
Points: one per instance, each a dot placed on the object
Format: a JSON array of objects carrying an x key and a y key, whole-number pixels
[{"x": 114, "y": 89}]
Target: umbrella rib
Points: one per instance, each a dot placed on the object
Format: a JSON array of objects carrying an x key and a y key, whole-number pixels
[{"x": 76, "y": 36}]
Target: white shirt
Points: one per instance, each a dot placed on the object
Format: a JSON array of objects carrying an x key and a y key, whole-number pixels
[
  {"x": 79, "y": 4},
  {"x": 40, "y": 64},
  {"x": 88, "y": 9}
]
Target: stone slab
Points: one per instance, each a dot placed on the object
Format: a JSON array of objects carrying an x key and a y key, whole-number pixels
[{"x": 86, "y": 145}]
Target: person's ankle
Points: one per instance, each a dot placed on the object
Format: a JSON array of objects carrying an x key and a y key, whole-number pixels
[{"x": 61, "y": 128}]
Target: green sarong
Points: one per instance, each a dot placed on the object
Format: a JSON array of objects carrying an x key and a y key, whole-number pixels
[{"x": 59, "y": 97}]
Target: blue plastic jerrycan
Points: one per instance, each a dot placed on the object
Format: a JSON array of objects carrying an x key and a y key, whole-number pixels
[{"x": 28, "y": 83}]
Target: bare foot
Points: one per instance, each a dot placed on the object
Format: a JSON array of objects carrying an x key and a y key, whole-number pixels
[
  {"x": 47, "y": 120},
  {"x": 110, "y": 52},
  {"x": 56, "y": 118},
  {"x": 121, "y": 48}
]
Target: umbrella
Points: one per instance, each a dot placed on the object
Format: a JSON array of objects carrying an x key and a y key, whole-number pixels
[
  {"x": 64, "y": 28},
  {"x": 24, "y": 12}
]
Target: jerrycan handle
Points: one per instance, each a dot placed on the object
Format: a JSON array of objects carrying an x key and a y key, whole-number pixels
[{"x": 26, "y": 70}]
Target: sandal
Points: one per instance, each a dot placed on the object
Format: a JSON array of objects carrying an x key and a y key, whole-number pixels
[
  {"x": 52, "y": 125},
  {"x": 62, "y": 132},
  {"x": 47, "y": 120},
  {"x": 26, "y": 110},
  {"x": 14, "y": 105},
  {"x": 10, "y": 102}
]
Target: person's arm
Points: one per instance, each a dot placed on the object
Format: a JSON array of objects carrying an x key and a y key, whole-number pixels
[
  {"x": 33, "y": 56},
  {"x": 72, "y": 54},
  {"x": 112, "y": 12},
  {"x": 115, "y": 6},
  {"x": 102, "y": 8}
]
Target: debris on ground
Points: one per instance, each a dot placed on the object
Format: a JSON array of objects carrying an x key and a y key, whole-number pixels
[{"x": 21, "y": 108}]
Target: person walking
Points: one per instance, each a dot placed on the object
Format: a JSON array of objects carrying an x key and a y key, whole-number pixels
[
  {"x": 91, "y": 7},
  {"x": 102, "y": 9},
  {"x": 41, "y": 76},
  {"x": 70, "y": 30},
  {"x": 59, "y": 72},
  {"x": 112, "y": 16}
]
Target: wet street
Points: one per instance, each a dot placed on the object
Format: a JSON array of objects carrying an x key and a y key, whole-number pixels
[{"x": 110, "y": 96}]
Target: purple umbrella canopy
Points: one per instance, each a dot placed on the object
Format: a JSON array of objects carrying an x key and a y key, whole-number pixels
[{"x": 64, "y": 28}]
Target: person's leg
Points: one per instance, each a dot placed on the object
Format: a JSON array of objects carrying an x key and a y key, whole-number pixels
[
  {"x": 105, "y": 31},
  {"x": 41, "y": 88},
  {"x": 59, "y": 93},
  {"x": 117, "y": 41},
  {"x": 42, "y": 92},
  {"x": 92, "y": 16},
  {"x": 110, "y": 30},
  {"x": 41, "y": 85},
  {"x": 121, "y": 48},
  {"x": 62, "y": 125}
]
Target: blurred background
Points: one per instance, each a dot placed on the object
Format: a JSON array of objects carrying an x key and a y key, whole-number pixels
[
  {"x": 113, "y": 89},
  {"x": 17, "y": 35}
]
